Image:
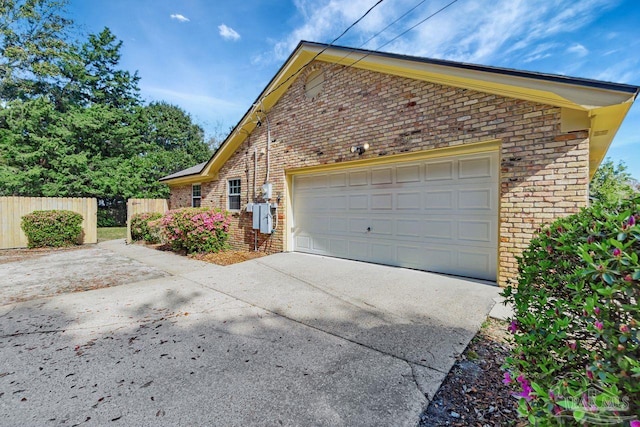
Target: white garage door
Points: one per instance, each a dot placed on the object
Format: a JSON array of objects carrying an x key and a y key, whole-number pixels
[{"x": 437, "y": 215}]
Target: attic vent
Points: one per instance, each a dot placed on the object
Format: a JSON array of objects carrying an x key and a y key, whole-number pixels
[{"x": 314, "y": 83}]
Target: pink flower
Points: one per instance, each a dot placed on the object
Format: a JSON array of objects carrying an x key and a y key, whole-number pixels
[
  {"x": 507, "y": 378},
  {"x": 572, "y": 345},
  {"x": 599, "y": 325},
  {"x": 513, "y": 327},
  {"x": 635, "y": 423},
  {"x": 596, "y": 310},
  {"x": 589, "y": 374},
  {"x": 617, "y": 252},
  {"x": 624, "y": 329}
]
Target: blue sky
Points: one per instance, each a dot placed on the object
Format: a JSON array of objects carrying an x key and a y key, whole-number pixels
[{"x": 212, "y": 58}]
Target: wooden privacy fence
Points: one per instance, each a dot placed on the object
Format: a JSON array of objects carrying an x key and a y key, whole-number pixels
[
  {"x": 137, "y": 206},
  {"x": 12, "y": 209}
]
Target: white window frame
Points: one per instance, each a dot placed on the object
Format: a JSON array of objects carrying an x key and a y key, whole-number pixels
[
  {"x": 195, "y": 197},
  {"x": 238, "y": 194}
]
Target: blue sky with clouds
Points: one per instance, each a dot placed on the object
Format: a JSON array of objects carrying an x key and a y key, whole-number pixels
[{"x": 213, "y": 58}]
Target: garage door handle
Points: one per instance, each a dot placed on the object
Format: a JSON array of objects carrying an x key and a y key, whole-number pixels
[{"x": 368, "y": 229}]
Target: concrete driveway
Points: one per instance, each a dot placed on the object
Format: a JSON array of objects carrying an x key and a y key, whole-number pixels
[{"x": 288, "y": 339}]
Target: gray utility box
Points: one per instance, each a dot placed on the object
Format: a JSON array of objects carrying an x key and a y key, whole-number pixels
[{"x": 263, "y": 215}]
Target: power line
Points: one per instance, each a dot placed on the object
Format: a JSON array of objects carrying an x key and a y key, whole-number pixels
[
  {"x": 389, "y": 41},
  {"x": 323, "y": 50}
]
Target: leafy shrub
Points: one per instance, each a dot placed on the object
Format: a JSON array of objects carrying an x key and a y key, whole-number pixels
[
  {"x": 575, "y": 332},
  {"x": 106, "y": 219},
  {"x": 144, "y": 227},
  {"x": 55, "y": 228},
  {"x": 196, "y": 229}
]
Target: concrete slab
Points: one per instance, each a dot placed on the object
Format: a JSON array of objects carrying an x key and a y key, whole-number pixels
[
  {"x": 170, "y": 352},
  {"x": 289, "y": 339},
  {"x": 500, "y": 310},
  {"x": 89, "y": 267}
]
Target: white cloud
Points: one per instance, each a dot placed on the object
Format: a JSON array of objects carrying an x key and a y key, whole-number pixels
[
  {"x": 179, "y": 18},
  {"x": 228, "y": 33},
  {"x": 578, "y": 49},
  {"x": 471, "y": 31}
]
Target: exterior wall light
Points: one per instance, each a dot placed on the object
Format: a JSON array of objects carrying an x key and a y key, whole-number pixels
[{"x": 360, "y": 149}]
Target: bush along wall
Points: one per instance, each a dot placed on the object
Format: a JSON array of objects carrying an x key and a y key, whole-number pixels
[
  {"x": 55, "y": 228},
  {"x": 196, "y": 230},
  {"x": 144, "y": 226},
  {"x": 576, "y": 356}
]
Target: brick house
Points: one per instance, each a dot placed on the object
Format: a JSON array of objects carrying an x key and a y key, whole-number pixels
[{"x": 407, "y": 161}]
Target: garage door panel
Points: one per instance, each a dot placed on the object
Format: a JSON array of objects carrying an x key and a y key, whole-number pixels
[
  {"x": 475, "y": 231},
  {"x": 382, "y": 201},
  {"x": 439, "y": 215},
  {"x": 382, "y": 176},
  {"x": 437, "y": 229},
  {"x": 408, "y": 201},
  {"x": 382, "y": 226},
  {"x": 357, "y": 179},
  {"x": 381, "y": 252},
  {"x": 474, "y": 168},
  {"x": 338, "y": 225},
  {"x": 338, "y": 180},
  {"x": 478, "y": 264},
  {"x": 439, "y": 200},
  {"x": 358, "y": 225},
  {"x": 302, "y": 242},
  {"x": 409, "y": 228},
  {"x": 359, "y": 202},
  {"x": 440, "y": 171},
  {"x": 475, "y": 199},
  {"x": 359, "y": 249},
  {"x": 339, "y": 247},
  {"x": 338, "y": 203},
  {"x": 406, "y": 174}
]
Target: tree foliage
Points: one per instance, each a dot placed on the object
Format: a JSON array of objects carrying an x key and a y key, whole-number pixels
[
  {"x": 71, "y": 119},
  {"x": 612, "y": 183}
]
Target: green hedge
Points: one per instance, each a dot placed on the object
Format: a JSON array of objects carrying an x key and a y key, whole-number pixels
[
  {"x": 55, "y": 228},
  {"x": 576, "y": 330},
  {"x": 143, "y": 228}
]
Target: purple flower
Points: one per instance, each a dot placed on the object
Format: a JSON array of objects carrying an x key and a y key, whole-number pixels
[
  {"x": 632, "y": 221},
  {"x": 572, "y": 345},
  {"x": 599, "y": 325},
  {"x": 552, "y": 395},
  {"x": 596, "y": 310},
  {"x": 617, "y": 252},
  {"x": 513, "y": 327},
  {"x": 507, "y": 378},
  {"x": 589, "y": 374},
  {"x": 635, "y": 423}
]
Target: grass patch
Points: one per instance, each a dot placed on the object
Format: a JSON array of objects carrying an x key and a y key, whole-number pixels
[{"x": 111, "y": 233}]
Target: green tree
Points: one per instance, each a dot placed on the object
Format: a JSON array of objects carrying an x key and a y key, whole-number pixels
[
  {"x": 611, "y": 183},
  {"x": 93, "y": 76},
  {"x": 71, "y": 119},
  {"x": 32, "y": 43}
]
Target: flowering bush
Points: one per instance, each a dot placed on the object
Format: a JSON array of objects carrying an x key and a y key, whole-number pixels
[
  {"x": 575, "y": 330},
  {"x": 144, "y": 227},
  {"x": 55, "y": 228},
  {"x": 196, "y": 229}
]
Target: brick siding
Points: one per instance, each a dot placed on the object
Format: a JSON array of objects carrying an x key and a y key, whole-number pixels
[{"x": 544, "y": 173}]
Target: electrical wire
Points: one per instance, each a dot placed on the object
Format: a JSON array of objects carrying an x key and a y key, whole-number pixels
[
  {"x": 322, "y": 51},
  {"x": 387, "y": 42}
]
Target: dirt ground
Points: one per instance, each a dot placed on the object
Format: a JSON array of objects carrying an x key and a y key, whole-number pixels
[
  {"x": 28, "y": 274},
  {"x": 473, "y": 393}
]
